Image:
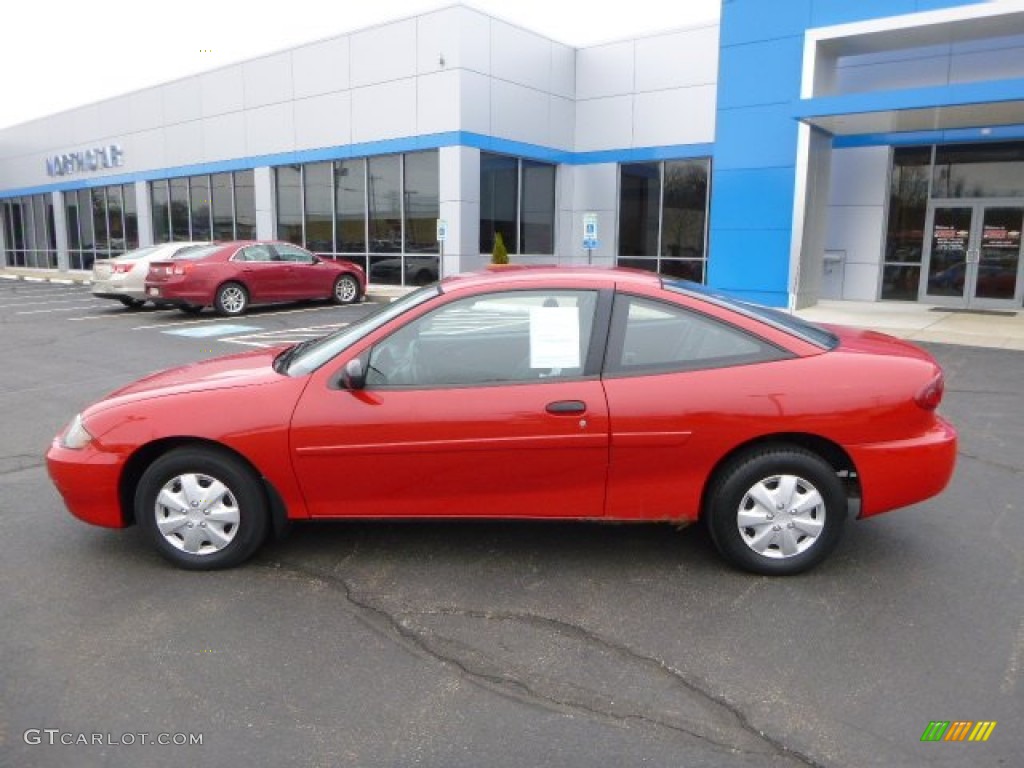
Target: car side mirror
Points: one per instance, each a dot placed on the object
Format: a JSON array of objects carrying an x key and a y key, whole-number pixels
[{"x": 354, "y": 375}]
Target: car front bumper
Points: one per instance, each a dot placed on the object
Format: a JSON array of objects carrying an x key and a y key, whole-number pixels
[{"x": 87, "y": 479}]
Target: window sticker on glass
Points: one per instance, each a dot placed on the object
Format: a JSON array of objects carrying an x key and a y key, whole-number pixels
[{"x": 555, "y": 337}]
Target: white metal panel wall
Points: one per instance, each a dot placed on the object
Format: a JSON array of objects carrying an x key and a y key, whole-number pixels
[
  {"x": 653, "y": 91},
  {"x": 992, "y": 59},
  {"x": 858, "y": 192}
]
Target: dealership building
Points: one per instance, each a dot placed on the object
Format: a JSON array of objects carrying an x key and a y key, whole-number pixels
[{"x": 792, "y": 151}]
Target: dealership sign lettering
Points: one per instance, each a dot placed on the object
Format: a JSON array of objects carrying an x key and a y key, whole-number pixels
[{"x": 98, "y": 158}]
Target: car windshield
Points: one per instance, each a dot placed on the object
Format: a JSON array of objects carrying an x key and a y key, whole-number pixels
[
  {"x": 776, "y": 318},
  {"x": 197, "y": 252},
  {"x": 318, "y": 352}
]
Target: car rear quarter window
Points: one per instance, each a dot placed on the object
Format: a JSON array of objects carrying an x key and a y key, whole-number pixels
[{"x": 651, "y": 336}]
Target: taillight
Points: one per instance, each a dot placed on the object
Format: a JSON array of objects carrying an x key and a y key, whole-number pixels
[
  {"x": 931, "y": 394},
  {"x": 122, "y": 268},
  {"x": 183, "y": 268}
]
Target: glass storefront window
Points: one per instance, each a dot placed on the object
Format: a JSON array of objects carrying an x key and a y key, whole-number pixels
[
  {"x": 245, "y": 205},
  {"x": 979, "y": 170},
  {"x": 639, "y": 206},
  {"x": 422, "y": 206},
  {"x": 318, "y": 206},
  {"x": 160, "y": 200},
  {"x": 663, "y": 217},
  {"x": 180, "y": 209},
  {"x": 289, "y": 203},
  {"x": 199, "y": 194},
  {"x": 908, "y": 208},
  {"x": 499, "y": 198},
  {"x": 537, "y": 227},
  {"x": 221, "y": 207},
  {"x": 350, "y": 205},
  {"x": 385, "y": 202}
]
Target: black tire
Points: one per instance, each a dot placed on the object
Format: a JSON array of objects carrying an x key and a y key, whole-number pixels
[
  {"x": 346, "y": 290},
  {"x": 191, "y": 309},
  {"x": 131, "y": 303},
  {"x": 802, "y": 509},
  {"x": 209, "y": 532},
  {"x": 232, "y": 300}
]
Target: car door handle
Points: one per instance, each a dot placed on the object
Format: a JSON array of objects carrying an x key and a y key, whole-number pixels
[{"x": 566, "y": 407}]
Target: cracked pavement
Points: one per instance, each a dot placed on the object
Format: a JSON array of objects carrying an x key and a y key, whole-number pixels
[{"x": 505, "y": 644}]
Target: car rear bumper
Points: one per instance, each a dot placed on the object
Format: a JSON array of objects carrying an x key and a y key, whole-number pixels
[
  {"x": 87, "y": 480},
  {"x": 168, "y": 293},
  {"x": 904, "y": 472}
]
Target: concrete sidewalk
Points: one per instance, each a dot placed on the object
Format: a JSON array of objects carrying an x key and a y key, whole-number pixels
[
  {"x": 917, "y": 322},
  {"x": 923, "y": 322}
]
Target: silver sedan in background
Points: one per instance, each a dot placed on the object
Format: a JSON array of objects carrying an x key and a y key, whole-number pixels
[{"x": 123, "y": 278}]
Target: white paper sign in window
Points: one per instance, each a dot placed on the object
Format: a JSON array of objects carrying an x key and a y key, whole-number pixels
[{"x": 555, "y": 337}]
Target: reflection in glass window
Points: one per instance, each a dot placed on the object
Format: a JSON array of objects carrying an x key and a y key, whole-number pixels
[
  {"x": 245, "y": 205},
  {"x": 904, "y": 237},
  {"x": 385, "y": 199},
  {"x": 180, "y": 211},
  {"x": 654, "y": 337},
  {"x": 99, "y": 223},
  {"x": 131, "y": 218},
  {"x": 499, "y": 198},
  {"x": 537, "y": 227},
  {"x": 160, "y": 200},
  {"x": 663, "y": 217},
  {"x": 199, "y": 188},
  {"x": 221, "y": 207},
  {"x": 520, "y": 336},
  {"x": 422, "y": 207},
  {"x": 318, "y": 205},
  {"x": 115, "y": 221},
  {"x": 350, "y": 203},
  {"x": 30, "y": 239},
  {"x": 289, "y": 203},
  {"x": 979, "y": 170}
]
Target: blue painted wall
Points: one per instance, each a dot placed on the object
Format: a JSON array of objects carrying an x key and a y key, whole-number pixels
[{"x": 754, "y": 169}]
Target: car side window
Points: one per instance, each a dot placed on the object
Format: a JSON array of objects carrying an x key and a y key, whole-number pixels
[
  {"x": 255, "y": 253},
  {"x": 654, "y": 337},
  {"x": 509, "y": 337},
  {"x": 294, "y": 255}
]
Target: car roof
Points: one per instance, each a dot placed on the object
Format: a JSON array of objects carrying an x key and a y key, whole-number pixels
[{"x": 520, "y": 274}]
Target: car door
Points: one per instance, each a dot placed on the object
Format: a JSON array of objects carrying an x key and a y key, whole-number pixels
[
  {"x": 264, "y": 276},
  {"x": 490, "y": 405},
  {"x": 683, "y": 388},
  {"x": 305, "y": 277}
]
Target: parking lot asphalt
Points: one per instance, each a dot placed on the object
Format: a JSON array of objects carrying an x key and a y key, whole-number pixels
[{"x": 489, "y": 643}]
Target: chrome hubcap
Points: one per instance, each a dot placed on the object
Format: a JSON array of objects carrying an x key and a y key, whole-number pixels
[
  {"x": 781, "y": 516},
  {"x": 345, "y": 290},
  {"x": 197, "y": 514},
  {"x": 232, "y": 299}
]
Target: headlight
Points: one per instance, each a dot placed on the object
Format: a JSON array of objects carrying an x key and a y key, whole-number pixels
[{"x": 76, "y": 436}]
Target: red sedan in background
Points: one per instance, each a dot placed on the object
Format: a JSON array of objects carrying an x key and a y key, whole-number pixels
[
  {"x": 231, "y": 276},
  {"x": 530, "y": 393}
]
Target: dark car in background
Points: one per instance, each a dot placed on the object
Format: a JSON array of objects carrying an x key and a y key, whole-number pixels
[{"x": 232, "y": 276}]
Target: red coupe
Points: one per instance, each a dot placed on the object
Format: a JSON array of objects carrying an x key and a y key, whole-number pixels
[
  {"x": 231, "y": 276},
  {"x": 530, "y": 393}
]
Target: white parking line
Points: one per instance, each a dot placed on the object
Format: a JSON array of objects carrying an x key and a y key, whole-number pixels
[
  {"x": 32, "y": 302},
  {"x": 48, "y": 311},
  {"x": 255, "y": 316}
]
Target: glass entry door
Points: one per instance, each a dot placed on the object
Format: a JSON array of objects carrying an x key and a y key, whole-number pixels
[{"x": 973, "y": 254}]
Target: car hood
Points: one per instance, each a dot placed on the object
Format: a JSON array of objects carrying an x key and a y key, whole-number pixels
[{"x": 242, "y": 370}]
